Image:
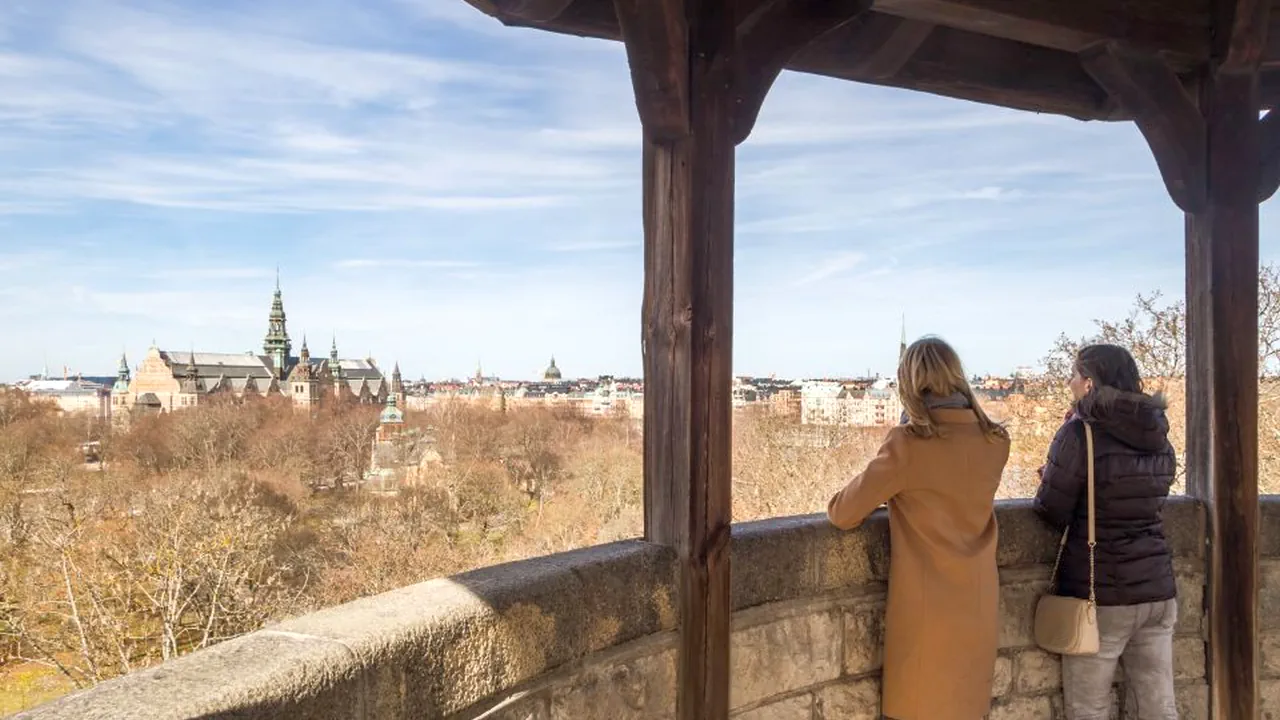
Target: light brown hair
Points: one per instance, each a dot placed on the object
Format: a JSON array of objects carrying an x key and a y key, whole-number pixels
[{"x": 931, "y": 367}]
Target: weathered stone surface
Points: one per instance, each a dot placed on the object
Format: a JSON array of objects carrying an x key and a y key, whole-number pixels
[
  {"x": 1190, "y": 602},
  {"x": 1023, "y": 708},
  {"x": 864, "y": 637},
  {"x": 848, "y": 559},
  {"x": 1184, "y": 526},
  {"x": 525, "y": 707},
  {"x": 796, "y": 708},
  {"x": 1002, "y": 683},
  {"x": 1018, "y": 611},
  {"x": 1188, "y": 658},
  {"x": 784, "y": 655},
  {"x": 258, "y": 676},
  {"x": 774, "y": 560},
  {"x": 1025, "y": 539},
  {"x": 1269, "y": 699},
  {"x": 641, "y": 688},
  {"x": 441, "y": 646},
  {"x": 1269, "y": 596},
  {"x": 1193, "y": 701},
  {"x": 851, "y": 700},
  {"x": 1269, "y": 530},
  {"x": 1036, "y": 671},
  {"x": 1270, "y": 643}
]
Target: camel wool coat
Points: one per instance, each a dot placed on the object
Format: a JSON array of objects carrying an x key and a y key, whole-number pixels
[{"x": 942, "y": 616}]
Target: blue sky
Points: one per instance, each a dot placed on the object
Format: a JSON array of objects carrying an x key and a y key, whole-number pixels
[{"x": 438, "y": 189}]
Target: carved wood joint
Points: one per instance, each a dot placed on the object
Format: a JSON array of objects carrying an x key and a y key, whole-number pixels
[
  {"x": 1164, "y": 111},
  {"x": 768, "y": 37},
  {"x": 656, "y": 34}
]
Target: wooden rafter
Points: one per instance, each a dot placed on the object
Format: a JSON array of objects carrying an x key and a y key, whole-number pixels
[
  {"x": 1149, "y": 92},
  {"x": 768, "y": 37},
  {"x": 884, "y": 44},
  {"x": 1173, "y": 27}
]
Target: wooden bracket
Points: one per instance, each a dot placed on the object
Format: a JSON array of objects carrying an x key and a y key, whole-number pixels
[
  {"x": 1166, "y": 114},
  {"x": 1269, "y": 155},
  {"x": 1241, "y": 50},
  {"x": 656, "y": 36},
  {"x": 768, "y": 37}
]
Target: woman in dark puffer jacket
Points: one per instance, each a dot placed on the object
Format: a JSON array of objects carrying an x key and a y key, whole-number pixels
[{"x": 1134, "y": 467}]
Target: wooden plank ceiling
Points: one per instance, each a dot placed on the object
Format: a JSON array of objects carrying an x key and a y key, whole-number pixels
[{"x": 1022, "y": 54}]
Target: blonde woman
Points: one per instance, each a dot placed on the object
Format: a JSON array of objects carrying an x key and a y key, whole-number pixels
[{"x": 938, "y": 471}]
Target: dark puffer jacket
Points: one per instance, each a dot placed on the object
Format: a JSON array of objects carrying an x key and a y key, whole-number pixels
[{"x": 1134, "y": 466}]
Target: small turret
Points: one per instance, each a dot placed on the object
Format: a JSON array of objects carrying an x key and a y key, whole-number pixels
[{"x": 122, "y": 376}]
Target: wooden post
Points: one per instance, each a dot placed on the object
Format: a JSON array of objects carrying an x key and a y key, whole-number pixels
[
  {"x": 681, "y": 54},
  {"x": 700, "y": 73},
  {"x": 1216, "y": 168},
  {"x": 1222, "y": 385}
]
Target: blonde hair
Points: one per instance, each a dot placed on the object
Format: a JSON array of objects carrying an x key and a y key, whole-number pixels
[{"x": 931, "y": 367}]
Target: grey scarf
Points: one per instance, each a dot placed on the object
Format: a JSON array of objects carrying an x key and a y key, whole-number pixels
[{"x": 954, "y": 401}]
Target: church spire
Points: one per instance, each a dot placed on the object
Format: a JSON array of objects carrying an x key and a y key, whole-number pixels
[
  {"x": 902, "y": 344},
  {"x": 277, "y": 345}
]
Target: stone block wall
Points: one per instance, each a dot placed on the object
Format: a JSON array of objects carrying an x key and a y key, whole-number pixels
[
  {"x": 1269, "y": 608},
  {"x": 590, "y": 634}
]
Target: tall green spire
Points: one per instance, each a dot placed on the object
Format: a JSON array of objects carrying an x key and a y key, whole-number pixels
[
  {"x": 122, "y": 374},
  {"x": 277, "y": 344}
]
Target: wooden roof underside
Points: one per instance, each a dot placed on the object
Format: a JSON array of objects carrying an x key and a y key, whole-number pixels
[{"x": 1021, "y": 54}]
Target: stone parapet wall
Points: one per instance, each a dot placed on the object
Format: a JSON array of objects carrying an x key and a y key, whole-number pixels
[{"x": 590, "y": 634}]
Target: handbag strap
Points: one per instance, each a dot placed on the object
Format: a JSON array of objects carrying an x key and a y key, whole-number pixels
[{"x": 1093, "y": 538}]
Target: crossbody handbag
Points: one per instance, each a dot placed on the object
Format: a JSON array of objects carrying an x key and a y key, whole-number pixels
[{"x": 1068, "y": 625}]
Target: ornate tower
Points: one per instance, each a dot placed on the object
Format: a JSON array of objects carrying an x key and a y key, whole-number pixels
[
  {"x": 397, "y": 386},
  {"x": 277, "y": 345},
  {"x": 303, "y": 385},
  {"x": 120, "y": 390}
]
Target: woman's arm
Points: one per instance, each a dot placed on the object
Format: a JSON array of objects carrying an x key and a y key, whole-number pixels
[
  {"x": 1063, "y": 478},
  {"x": 884, "y": 477}
]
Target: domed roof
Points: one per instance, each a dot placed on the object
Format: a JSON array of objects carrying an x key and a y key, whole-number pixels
[{"x": 552, "y": 372}]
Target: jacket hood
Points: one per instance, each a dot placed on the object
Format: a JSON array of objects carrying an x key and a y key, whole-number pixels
[{"x": 1135, "y": 419}]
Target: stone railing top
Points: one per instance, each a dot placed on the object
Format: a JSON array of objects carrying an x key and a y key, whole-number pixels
[{"x": 439, "y": 647}]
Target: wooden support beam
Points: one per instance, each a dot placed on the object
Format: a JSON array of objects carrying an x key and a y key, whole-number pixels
[
  {"x": 1269, "y": 154},
  {"x": 1222, "y": 378},
  {"x": 769, "y": 36},
  {"x": 1176, "y": 28},
  {"x": 1148, "y": 91},
  {"x": 681, "y": 54},
  {"x": 884, "y": 44},
  {"x": 969, "y": 66}
]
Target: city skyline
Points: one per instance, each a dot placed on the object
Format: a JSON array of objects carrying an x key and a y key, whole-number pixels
[{"x": 433, "y": 190}]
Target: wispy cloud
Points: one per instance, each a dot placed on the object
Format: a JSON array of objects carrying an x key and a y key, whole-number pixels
[
  {"x": 371, "y": 263},
  {"x": 594, "y": 246},
  {"x": 412, "y": 163},
  {"x": 832, "y": 266}
]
